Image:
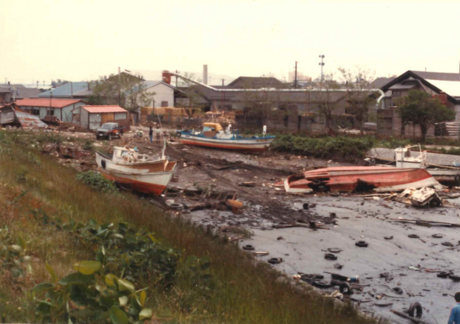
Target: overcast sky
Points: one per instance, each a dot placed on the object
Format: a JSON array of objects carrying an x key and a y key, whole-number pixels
[{"x": 83, "y": 39}]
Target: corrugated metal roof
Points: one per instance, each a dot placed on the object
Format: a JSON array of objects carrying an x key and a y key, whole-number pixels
[
  {"x": 45, "y": 102},
  {"x": 29, "y": 121},
  {"x": 104, "y": 109},
  {"x": 64, "y": 91}
]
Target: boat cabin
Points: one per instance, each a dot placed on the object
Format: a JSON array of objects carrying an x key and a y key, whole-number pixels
[{"x": 124, "y": 155}]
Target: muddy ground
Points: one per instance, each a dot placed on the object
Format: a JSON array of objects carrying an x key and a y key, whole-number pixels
[{"x": 411, "y": 264}]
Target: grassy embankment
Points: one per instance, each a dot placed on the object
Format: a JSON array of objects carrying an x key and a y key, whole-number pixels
[{"x": 243, "y": 291}]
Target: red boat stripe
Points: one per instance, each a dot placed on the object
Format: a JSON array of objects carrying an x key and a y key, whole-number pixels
[{"x": 231, "y": 147}]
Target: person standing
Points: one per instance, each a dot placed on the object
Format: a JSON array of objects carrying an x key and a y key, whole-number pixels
[
  {"x": 151, "y": 134},
  {"x": 455, "y": 312}
]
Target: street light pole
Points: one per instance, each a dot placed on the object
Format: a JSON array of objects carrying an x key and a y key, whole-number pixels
[{"x": 321, "y": 64}]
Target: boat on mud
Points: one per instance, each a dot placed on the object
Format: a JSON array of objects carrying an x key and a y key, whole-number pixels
[
  {"x": 135, "y": 171},
  {"x": 214, "y": 136},
  {"x": 358, "y": 178}
]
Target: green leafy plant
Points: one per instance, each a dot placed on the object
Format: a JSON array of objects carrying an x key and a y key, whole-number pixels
[
  {"x": 97, "y": 182},
  {"x": 13, "y": 256},
  {"x": 90, "y": 295}
]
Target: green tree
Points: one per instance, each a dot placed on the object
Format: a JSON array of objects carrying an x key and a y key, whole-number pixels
[
  {"x": 360, "y": 98},
  {"x": 126, "y": 90},
  {"x": 419, "y": 108}
]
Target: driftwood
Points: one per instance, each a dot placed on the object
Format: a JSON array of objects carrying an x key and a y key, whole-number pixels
[
  {"x": 412, "y": 319},
  {"x": 424, "y": 222}
]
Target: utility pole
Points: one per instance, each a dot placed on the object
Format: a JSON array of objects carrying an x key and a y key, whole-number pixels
[
  {"x": 295, "y": 76},
  {"x": 71, "y": 89},
  {"x": 222, "y": 97},
  {"x": 37, "y": 84},
  {"x": 176, "y": 77},
  {"x": 119, "y": 86},
  {"x": 322, "y": 64}
]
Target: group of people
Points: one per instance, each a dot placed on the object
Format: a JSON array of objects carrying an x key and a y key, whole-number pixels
[{"x": 158, "y": 135}]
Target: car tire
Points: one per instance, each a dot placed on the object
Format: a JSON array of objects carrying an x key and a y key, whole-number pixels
[
  {"x": 415, "y": 310},
  {"x": 321, "y": 284},
  {"x": 345, "y": 288},
  {"x": 362, "y": 244}
]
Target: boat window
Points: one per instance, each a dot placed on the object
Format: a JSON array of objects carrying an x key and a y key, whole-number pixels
[{"x": 208, "y": 129}]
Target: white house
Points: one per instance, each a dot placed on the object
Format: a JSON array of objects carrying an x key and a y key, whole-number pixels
[{"x": 164, "y": 93}]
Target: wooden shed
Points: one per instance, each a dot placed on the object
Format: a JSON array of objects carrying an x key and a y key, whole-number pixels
[{"x": 92, "y": 117}]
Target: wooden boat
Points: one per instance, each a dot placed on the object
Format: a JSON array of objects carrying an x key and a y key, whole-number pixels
[
  {"x": 139, "y": 172},
  {"x": 359, "y": 178},
  {"x": 214, "y": 136}
]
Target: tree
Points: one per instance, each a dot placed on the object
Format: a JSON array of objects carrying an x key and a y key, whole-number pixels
[
  {"x": 419, "y": 108},
  {"x": 360, "y": 98},
  {"x": 326, "y": 100},
  {"x": 58, "y": 83},
  {"x": 126, "y": 90}
]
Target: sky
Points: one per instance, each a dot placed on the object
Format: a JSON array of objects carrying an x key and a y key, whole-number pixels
[{"x": 81, "y": 40}]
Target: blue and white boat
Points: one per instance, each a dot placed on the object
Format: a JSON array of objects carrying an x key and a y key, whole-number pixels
[{"x": 214, "y": 136}]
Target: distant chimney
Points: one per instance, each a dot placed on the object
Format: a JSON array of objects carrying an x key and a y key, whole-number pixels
[
  {"x": 166, "y": 77},
  {"x": 205, "y": 74}
]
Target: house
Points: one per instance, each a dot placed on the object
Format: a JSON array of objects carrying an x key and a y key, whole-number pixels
[
  {"x": 12, "y": 92},
  {"x": 445, "y": 86},
  {"x": 41, "y": 107},
  {"x": 92, "y": 117},
  {"x": 164, "y": 94},
  {"x": 70, "y": 90}
]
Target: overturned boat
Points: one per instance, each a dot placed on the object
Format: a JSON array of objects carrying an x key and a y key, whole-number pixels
[
  {"x": 214, "y": 136},
  {"x": 138, "y": 172},
  {"x": 350, "y": 179}
]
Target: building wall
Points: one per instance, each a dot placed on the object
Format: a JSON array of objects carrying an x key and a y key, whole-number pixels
[
  {"x": 162, "y": 93},
  {"x": 64, "y": 114},
  {"x": 94, "y": 121},
  {"x": 83, "y": 118},
  {"x": 119, "y": 116},
  {"x": 389, "y": 124}
]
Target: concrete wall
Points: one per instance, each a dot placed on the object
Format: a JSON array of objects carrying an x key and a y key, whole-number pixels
[
  {"x": 162, "y": 93},
  {"x": 389, "y": 123}
]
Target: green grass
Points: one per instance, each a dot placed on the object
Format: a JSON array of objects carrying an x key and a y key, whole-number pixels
[
  {"x": 339, "y": 148},
  {"x": 245, "y": 290}
]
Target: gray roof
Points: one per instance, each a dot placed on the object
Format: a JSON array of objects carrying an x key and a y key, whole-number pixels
[
  {"x": 64, "y": 91},
  {"x": 442, "y": 76},
  {"x": 256, "y": 82},
  {"x": 27, "y": 93},
  {"x": 380, "y": 82}
]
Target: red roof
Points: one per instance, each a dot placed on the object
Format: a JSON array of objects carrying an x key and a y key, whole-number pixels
[
  {"x": 104, "y": 109},
  {"x": 46, "y": 102}
]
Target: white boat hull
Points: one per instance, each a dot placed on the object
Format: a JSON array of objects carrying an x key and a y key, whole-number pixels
[
  {"x": 256, "y": 145},
  {"x": 149, "y": 178}
]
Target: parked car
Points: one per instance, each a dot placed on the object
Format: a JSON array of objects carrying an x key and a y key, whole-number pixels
[{"x": 109, "y": 131}]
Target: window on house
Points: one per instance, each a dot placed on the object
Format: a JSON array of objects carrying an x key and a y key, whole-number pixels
[
  {"x": 50, "y": 112},
  {"x": 36, "y": 111},
  {"x": 396, "y": 93},
  {"x": 164, "y": 104}
]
